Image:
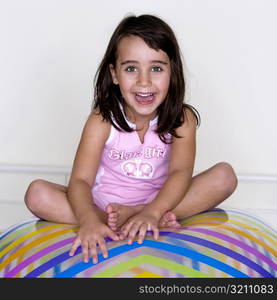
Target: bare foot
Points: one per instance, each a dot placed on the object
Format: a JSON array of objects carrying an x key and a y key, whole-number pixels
[
  {"x": 169, "y": 220},
  {"x": 118, "y": 214}
]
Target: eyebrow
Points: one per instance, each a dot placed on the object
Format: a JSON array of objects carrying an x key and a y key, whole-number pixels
[{"x": 136, "y": 62}]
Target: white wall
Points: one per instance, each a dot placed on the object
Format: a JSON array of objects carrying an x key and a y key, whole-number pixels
[{"x": 50, "y": 51}]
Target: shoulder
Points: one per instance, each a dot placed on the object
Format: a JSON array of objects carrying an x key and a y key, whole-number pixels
[
  {"x": 189, "y": 124},
  {"x": 183, "y": 148},
  {"x": 96, "y": 126}
]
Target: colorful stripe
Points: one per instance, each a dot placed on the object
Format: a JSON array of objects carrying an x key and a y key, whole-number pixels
[
  {"x": 151, "y": 260},
  {"x": 215, "y": 243}
]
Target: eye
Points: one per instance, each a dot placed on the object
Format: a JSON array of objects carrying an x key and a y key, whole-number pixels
[
  {"x": 130, "y": 69},
  {"x": 157, "y": 69}
]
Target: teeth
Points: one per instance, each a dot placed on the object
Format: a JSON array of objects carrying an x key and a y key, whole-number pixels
[{"x": 144, "y": 95}]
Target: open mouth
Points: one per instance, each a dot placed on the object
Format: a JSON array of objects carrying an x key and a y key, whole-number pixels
[{"x": 144, "y": 98}]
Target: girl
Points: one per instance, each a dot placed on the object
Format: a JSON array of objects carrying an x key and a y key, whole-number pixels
[{"x": 134, "y": 164}]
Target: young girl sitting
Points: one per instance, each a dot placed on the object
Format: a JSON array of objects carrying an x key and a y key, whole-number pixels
[{"x": 133, "y": 170}]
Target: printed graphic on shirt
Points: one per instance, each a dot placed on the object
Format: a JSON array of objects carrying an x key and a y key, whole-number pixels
[
  {"x": 136, "y": 163},
  {"x": 138, "y": 169},
  {"x": 148, "y": 152}
]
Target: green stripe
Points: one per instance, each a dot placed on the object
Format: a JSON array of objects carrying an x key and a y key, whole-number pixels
[
  {"x": 15, "y": 234},
  {"x": 187, "y": 244},
  {"x": 148, "y": 259}
]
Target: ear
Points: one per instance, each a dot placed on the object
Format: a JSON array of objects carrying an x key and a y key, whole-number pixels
[{"x": 113, "y": 73}]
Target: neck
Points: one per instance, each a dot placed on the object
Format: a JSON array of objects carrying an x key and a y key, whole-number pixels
[{"x": 139, "y": 119}]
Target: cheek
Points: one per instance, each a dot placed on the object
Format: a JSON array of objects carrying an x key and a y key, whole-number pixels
[
  {"x": 164, "y": 83},
  {"x": 126, "y": 83}
]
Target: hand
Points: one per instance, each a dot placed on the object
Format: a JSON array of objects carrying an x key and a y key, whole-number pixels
[
  {"x": 91, "y": 235},
  {"x": 139, "y": 223}
]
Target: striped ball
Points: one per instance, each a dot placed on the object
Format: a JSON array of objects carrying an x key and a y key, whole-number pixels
[{"x": 216, "y": 243}]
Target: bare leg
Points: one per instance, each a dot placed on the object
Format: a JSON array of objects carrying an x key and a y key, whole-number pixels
[
  {"x": 48, "y": 201},
  {"x": 207, "y": 190}
]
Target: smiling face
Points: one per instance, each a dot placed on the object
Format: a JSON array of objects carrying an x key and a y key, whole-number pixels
[{"x": 143, "y": 76}]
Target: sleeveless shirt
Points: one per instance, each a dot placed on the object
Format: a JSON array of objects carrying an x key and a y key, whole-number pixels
[{"x": 131, "y": 172}]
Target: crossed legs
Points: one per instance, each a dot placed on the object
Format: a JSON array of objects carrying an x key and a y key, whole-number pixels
[{"x": 208, "y": 189}]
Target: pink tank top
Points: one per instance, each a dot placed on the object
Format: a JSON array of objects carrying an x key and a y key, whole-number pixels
[{"x": 131, "y": 172}]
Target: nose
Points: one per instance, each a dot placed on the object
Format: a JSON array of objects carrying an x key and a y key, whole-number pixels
[{"x": 144, "y": 79}]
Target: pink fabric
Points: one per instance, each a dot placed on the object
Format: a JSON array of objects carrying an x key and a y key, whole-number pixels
[{"x": 130, "y": 172}]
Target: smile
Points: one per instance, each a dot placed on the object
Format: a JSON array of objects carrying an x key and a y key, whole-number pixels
[{"x": 144, "y": 98}]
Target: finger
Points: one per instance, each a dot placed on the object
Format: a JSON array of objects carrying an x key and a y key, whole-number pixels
[
  {"x": 112, "y": 235},
  {"x": 93, "y": 253},
  {"x": 122, "y": 235},
  {"x": 125, "y": 230},
  {"x": 155, "y": 233},
  {"x": 142, "y": 233},
  {"x": 103, "y": 248},
  {"x": 74, "y": 247},
  {"x": 85, "y": 253},
  {"x": 132, "y": 233}
]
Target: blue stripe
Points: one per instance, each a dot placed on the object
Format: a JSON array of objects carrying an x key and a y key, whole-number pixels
[
  {"x": 226, "y": 251},
  {"x": 72, "y": 271},
  {"x": 194, "y": 263}
]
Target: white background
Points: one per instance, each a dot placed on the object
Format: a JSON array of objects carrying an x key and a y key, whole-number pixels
[{"x": 50, "y": 51}]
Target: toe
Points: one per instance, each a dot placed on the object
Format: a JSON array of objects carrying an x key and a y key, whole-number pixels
[
  {"x": 111, "y": 207},
  {"x": 114, "y": 206},
  {"x": 166, "y": 216},
  {"x": 112, "y": 215},
  {"x": 171, "y": 216},
  {"x": 112, "y": 225}
]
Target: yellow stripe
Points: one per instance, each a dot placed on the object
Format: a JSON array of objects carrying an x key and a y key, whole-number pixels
[
  {"x": 246, "y": 219},
  {"x": 236, "y": 264},
  {"x": 33, "y": 244},
  {"x": 20, "y": 259},
  {"x": 27, "y": 236},
  {"x": 30, "y": 267},
  {"x": 259, "y": 232},
  {"x": 147, "y": 274}
]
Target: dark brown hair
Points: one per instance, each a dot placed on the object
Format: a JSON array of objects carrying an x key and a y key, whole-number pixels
[{"x": 107, "y": 96}]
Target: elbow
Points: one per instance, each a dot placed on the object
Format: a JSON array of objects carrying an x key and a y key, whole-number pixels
[
  {"x": 186, "y": 175},
  {"x": 181, "y": 179},
  {"x": 78, "y": 182}
]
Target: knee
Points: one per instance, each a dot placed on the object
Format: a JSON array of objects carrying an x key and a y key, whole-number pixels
[
  {"x": 36, "y": 195},
  {"x": 226, "y": 180}
]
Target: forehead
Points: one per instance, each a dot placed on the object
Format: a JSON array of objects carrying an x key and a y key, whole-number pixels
[{"x": 134, "y": 48}]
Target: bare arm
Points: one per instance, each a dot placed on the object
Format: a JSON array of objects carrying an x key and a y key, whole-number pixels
[
  {"x": 92, "y": 229},
  {"x": 180, "y": 169},
  {"x": 86, "y": 162}
]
